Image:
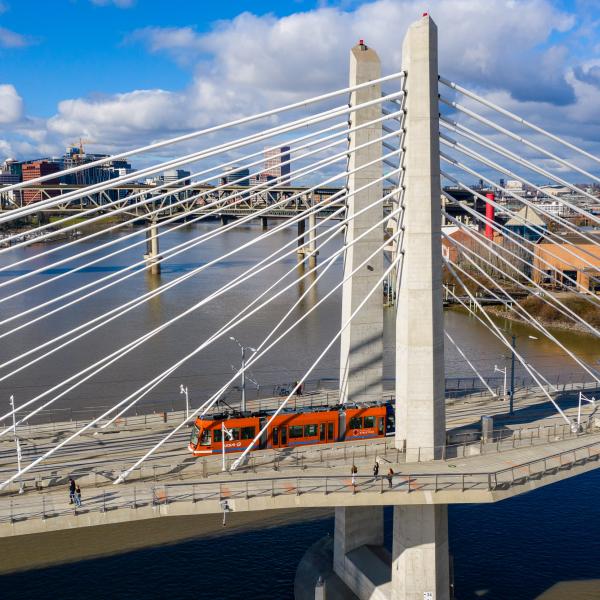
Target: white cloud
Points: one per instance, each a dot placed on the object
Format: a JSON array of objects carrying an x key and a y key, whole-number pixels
[
  {"x": 12, "y": 39},
  {"x": 11, "y": 104},
  {"x": 118, "y": 3},
  {"x": 503, "y": 49}
]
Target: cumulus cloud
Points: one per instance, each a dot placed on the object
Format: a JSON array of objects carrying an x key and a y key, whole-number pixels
[
  {"x": 505, "y": 50},
  {"x": 11, "y": 104}
]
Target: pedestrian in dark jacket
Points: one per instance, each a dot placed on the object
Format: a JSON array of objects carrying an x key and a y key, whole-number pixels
[
  {"x": 376, "y": 470},
  {"x": 390, "y": 476},
  {"x": 71, "y": 491}
]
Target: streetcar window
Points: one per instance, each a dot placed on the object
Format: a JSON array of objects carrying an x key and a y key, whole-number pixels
[
  {"x": 355, "y": 423},
  {"x": 234, "y": 434},
  {"x": 195, "y": 435},
  {"x": 369, "y": 421},
  {"x": 310, "y": 430},
  {"x": 380, "y": 425},
  {"x": 205, "y": 439},
  {"x": 296, "y": 431},
  {"x": 217, "y": 435},
  {"x": 248, "y": 433}
]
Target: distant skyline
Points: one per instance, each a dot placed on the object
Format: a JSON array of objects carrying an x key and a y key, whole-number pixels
[{"x": 123, "y": 72}]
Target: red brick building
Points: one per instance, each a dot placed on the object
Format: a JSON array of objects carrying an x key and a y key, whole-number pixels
[{"x": 39, "y": 168}]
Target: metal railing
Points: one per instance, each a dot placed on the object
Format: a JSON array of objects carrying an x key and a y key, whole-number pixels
[
  {"x": 159, "y": 496},
  {"x": 314, "y": 457}
]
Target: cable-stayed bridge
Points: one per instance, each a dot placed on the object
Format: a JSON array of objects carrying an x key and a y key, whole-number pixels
[{"x": 382, "y": 141}]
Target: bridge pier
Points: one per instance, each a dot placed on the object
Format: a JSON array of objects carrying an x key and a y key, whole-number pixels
[
  {"x": 152, "y": 247},
  {"x": 361, "y": 342},
  {"x": 418, "y": 568},
  {"x": 265, "y": 223}
]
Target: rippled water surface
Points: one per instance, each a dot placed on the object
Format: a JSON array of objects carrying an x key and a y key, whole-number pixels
[{"x": 510, "y": 551}]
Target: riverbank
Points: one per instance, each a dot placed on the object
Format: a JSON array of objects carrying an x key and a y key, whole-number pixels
[{"x": 551, "y": 316}]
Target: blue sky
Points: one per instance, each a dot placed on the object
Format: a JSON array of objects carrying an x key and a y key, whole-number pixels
[
  {"x": 76, "y": 48},
  {"x": 125, "y": 72}
]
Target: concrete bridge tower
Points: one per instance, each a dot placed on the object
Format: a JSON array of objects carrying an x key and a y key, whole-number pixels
[{"x": 361, "y": 344}]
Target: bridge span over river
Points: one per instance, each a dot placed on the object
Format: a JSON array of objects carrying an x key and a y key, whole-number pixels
[{"x": 406, "y": 129}]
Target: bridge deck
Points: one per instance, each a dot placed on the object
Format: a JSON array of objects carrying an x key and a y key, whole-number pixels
[{"x": 527, "y": 450}]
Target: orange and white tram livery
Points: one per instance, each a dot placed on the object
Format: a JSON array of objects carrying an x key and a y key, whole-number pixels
[{"x": 289, "y": 429}]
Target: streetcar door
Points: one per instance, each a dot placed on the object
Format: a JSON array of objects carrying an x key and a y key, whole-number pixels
[
  {"x": 275, "y": 437},
  {"x": 322, "y": 432},
  {"x": 330, "y": 432},
  {"x": 284, "y": 436}
]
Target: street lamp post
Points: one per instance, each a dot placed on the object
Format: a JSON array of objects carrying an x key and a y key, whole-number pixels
[
  {"x": 497, "y": 368},
  {"x": 243, "y": 386},
  {"x": 17, "y": 443},
  {"x": 184, "y": 390},
  {"x": 512, "y": 371}
]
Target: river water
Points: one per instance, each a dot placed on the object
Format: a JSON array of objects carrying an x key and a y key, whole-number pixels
[{"x": 512, "y": 550}]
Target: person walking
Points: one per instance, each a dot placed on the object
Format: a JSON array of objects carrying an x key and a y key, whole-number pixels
[
  {"x": 71, "y": 491},
  {"x": 376, "y": 470},
  {"x": 354, "y": 472},
  {"x": 390, "y": 476},
  {"x": 78, "y": 496}
]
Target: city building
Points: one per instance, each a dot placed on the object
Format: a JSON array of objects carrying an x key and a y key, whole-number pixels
[
  {"x": 274, "y": 166},
  {"x": 527, "y": 223},
  {"x": 35, "y": 169},
  {"x": 173, "y": 175},
  {"x": 236, "y": 176},
  {"x": 76, "y": 155},
  {"x": 573, "y": 258}
]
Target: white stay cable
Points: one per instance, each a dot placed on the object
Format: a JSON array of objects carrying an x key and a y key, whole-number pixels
[
  {"x": 482, "y": 141},
  {"x": 489, "y": 163},
  {"x": 94, "y": 368},
  {"x": 189, "y": 136},
  {"x": 516, "y": 118},
  {"x": 505, "y": 341},
  {"x": 207, "y": 405},
  {"x": 241, "y": 317},
  {"x": 241, "y": 196},
  {"x": 185, "y": 187},
  {"x": 466, "y": 252},
  {"x": 158, "y": 210},
  {"x": 170, "y": 284},
  {"x": 514, "y": 136},
  {"x": 573, "y": 315},
  {"x": 193, "y": 413},
  {"x": 514, "y": 238},
  {"x": 491, "y": 391},
  {"x": 547, "y": 234},
  {"x": 265, "y": 427},
  {"x": 158, "y": 168}
]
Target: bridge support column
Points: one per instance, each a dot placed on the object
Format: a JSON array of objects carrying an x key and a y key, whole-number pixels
[
  {"x": 312, "y": 242},
  {"x": 357, "y": 547},
  {"x": 152, "y": 248},
  {"x": 420, "y": 559},
  {"x": 301, "y": 236},
  {"x": 361, "y": 343},
  {"x": 265, "y": 222},
  {"x": 420, "y": 546}
]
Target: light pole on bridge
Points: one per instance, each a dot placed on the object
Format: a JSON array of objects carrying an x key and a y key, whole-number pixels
[
  {"x": 183, "y": 389},
  {"x": 243, "y": 386},
  {"x": 17, "y": 443},
  {"x": 512, "y": 370}
]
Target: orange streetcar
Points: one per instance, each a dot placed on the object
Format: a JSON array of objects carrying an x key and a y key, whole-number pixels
[{"x": 290, "y": 428}]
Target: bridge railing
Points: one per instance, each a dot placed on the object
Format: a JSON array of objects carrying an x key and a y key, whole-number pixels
[
  {"x": 158, "y": 497},
  {"x": 158, "y": 412},
  {"x": 317, "y": 457}
]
